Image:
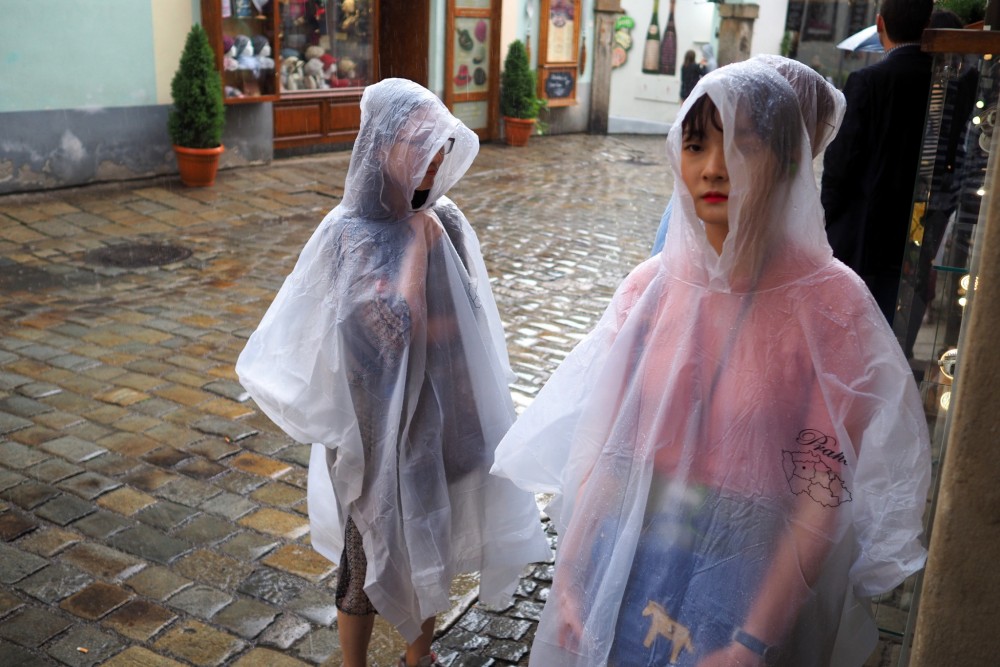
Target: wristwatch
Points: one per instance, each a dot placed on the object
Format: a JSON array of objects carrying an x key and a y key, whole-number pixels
[{"x": 770, "y": 654}]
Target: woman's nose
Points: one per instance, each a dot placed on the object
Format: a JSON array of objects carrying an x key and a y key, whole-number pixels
[{"x": 715, "y": 165}]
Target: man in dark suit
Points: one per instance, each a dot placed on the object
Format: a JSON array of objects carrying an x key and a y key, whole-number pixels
[{"x": 870, "y": 168}]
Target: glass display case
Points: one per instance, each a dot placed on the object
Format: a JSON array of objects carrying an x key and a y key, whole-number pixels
[
  {"x": 938, "y": 277},
  {"x": 246, "y": 42},
  {"x": 326, "y": 45}
]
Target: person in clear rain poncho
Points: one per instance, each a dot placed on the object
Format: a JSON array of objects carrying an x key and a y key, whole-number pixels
[
  {"x": 384, "y": 347},
  {"x": 737, "y": 451}
]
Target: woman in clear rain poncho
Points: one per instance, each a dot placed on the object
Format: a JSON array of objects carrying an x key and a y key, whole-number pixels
[
  {"x": 738, "y": 450},
  {"x": 384, "y": 346}
]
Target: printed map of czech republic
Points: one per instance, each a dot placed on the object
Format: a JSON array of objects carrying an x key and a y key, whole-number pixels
[{"x": 807, "y": 473}]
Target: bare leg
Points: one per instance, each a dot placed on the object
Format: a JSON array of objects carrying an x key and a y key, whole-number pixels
[
  {"x": 355, "y": 632},
  {"x": 422, "y": 646}
]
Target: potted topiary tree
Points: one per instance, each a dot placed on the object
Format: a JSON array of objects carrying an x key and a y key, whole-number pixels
[
  {"x": 519, "y": 105},
  {"x": 196, "y": 121}
]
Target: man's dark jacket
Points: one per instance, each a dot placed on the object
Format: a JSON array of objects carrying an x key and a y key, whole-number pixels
[{"x": 870, "y": 168}]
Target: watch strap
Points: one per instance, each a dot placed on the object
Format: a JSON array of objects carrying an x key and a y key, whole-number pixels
[{"x": 758, "y": 646}]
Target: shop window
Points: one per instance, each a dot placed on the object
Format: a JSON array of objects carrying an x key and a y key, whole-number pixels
[{"x": 326, "y": 45}]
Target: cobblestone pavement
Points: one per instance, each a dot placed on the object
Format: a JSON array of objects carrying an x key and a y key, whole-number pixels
[{"x": 149, "y": 513}]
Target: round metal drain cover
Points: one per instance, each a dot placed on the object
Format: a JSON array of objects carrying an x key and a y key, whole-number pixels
[{"x": 138, "y": 255}]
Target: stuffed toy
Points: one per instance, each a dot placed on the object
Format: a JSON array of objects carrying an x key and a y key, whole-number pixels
[
  {"x": 314, "y": 75},
  {"x": 292, "y": 75},
  {"x": 329, "y": 69},
  {"x": 347, "y": 68},
  {"x": 314, "y": 51},
  {"x": 350, "y": 14}
]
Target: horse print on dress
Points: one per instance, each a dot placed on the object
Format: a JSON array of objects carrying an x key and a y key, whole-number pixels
[{"x": 660, "y": 624}]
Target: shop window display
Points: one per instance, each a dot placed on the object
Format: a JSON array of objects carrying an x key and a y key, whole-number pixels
[
  {"x": 248, "y": 66},
  {"x": 325, "y": 44}
]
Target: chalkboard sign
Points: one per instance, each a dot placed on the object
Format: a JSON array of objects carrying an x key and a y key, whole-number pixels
[{"x": 559, "y": 84}]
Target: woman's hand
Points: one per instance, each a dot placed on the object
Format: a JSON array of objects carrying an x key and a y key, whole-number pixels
[
  {"x": 569, "y": 624},
  {"x": 733, "y": 654},
  {"x": 427, "y": 225}
]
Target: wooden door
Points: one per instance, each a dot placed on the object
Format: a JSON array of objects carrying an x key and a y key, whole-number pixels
[{"x": 403, "y": 36}]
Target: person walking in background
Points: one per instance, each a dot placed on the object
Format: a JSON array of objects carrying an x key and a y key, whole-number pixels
[
  {"x": 690, "y": 73},
  {"x": 870, "y": 168},
  {"x": 821, "y": 104},
  {"x": 738, "y": 455},
  {"x": 384, "y": 347},
  {"x": 708, "y": 60}
]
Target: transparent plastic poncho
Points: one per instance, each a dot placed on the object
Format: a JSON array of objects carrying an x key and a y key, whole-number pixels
[
  {"x": 739, "y": 443},
  {"x": 384, "y": 347}
]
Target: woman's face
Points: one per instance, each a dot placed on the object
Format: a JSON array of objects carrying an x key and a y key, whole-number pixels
[
  {"x": 432, "y": 169},
  {"x": 703, "y": 170},
  {"x": 412, "y": 144}
]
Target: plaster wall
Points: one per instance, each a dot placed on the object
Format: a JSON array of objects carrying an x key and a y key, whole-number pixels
[
  {"x": 171, "y": 21},
  {"x": 41, "y": 150},
  {"x": 86, "y": 91},
  {"x": 94, "y": 54},
  {"x": 648, "y": 103}
]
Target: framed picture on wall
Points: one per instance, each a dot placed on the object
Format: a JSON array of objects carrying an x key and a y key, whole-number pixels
[
  {"x": 471, "y": 62},
  {"x": 472, "y": 76},
  {"x": 559, "y": 51}
]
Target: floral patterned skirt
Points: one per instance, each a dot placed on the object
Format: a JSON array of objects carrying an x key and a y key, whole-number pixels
[{"x": 351, "y": 597}]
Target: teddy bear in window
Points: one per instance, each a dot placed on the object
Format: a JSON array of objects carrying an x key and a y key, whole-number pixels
[{"x": 292, "y": 73}]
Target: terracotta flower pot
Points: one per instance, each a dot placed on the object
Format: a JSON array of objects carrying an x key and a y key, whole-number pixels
[
  {"x": 517, "y": 130},
  {"x": 198, "y": 165}
]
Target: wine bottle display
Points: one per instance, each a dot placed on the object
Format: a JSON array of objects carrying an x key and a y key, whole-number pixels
[
  {"x": 668, "y": 52},
  {"x": 651, "y": 52}
]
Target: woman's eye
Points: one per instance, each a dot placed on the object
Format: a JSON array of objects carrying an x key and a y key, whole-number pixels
[{"x": 692, "y": 147}]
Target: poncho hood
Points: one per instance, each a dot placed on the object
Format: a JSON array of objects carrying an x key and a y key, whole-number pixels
[
  {"x": 403, "y": 125},
  {"x": 774, "y": 207}
]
